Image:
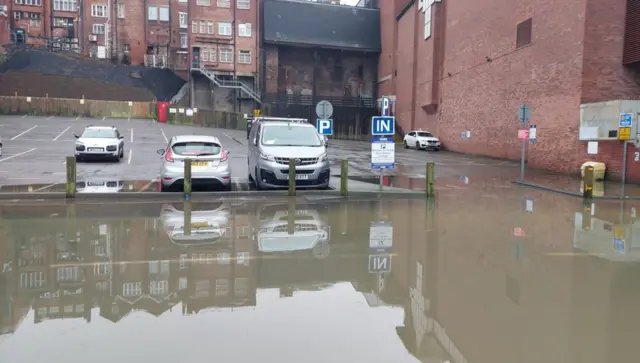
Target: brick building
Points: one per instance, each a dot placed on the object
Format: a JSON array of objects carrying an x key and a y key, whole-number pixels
[{"x": 467, "y": 65}]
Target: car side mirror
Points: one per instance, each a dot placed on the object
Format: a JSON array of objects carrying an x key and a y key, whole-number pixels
[
  {"x": 160, "y": 151},
  {"x": 228, "y": 152},
  {"x": 120, "y": 137},
  {"x": 76, "y": 136}
]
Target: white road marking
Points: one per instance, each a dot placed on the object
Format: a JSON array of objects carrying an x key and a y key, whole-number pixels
[
  {"x": 1, "y": 125},
  {"x": 45, "y": 187},
  {"x": 18, "y": 154},
  {"x": 165, "y": 136},
  {"x": 130, "y": 155},
  {"x": 104, "y": 118},
  {"x": 78, "y": 118},
  {"x": 62, "y": 133},
  {"x": 23, "y": 116},
  {"x": 23, "y": 132},
  {"x": 50, "y": 117},
  {"x": 150, "y": 183},
  {"x": 131, "y": 135}
]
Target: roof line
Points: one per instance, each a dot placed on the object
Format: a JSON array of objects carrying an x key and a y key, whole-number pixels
[{"x": 405, "y": 9}]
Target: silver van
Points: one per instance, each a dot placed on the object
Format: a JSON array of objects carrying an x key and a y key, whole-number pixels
[{"x": 273, "y": 142}]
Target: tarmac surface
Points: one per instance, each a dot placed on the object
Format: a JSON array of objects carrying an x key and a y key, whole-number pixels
[{"x": 35, "y": 149}]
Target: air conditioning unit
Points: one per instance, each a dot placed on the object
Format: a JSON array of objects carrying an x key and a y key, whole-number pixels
[{"x": 93, "y": 38}]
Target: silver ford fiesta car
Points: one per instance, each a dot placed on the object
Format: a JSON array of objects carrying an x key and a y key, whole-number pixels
[{"x": 209, "y": 163}]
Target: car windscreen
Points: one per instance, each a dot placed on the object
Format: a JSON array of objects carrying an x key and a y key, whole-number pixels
[
  {"x": 424, "y": 134},
  {"x": 99, "y": 134},
  {"x": 196, "y": 148},
  {"x": 286, "y": 135}
]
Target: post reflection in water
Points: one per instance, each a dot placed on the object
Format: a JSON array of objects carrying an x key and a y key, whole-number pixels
[{"x": 496, "y": 276}]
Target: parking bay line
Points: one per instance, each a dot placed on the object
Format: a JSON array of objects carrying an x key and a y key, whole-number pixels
[
  {"x": 165, "y": 136},
  {"x": 131, "y": 135},
  {"x": 18, "y": 154},
  {"x": 130, "y": 155},
  {"x": 62, "y": 133},
  {"x": 146, "y": 186},
  {"x": 23, "y": 132},
  {"x": 46, "y": 187}
]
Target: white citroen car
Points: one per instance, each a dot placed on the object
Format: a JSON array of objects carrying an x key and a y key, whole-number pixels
[{"x": 421, "y": 140}]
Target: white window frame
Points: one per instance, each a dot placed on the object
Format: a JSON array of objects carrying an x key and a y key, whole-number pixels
[
  {"x": 244, "y": 30},
  {"x": 183, "y": 20},
  {"x": 194, "y": 26},
  {"x": 163, "y": 13},
  {"x": 152, "y": 13},
  {"x": 120, "y": 11},
  {"x": 244, "y": 56},
  {"x": 101, "y": 268},
  {"x": 210, "y": 27},
  {"x": 203, "y": 2},
  {"x": 132, "y": 289},
  {"x": 427, "y": 22},
  {"x": 98, "y": 29},
  {"x": 243, "y": 4},
  {"x": 224, "y": 258},
  {"x": 29, "y": 2},
  {"x": 225, "y": 28},
  {"x": 99, "y": 11},
  {"x": 204, "y": 54},
  {"x": 183, "y": 259},
  {"x": 225, "y": 55},
  {"x": 203, "y": 27},
  {"x": 64, "y": 5},
  {"x": 212, "y": 55},
  {"x": 224, "y": 4},
  {"x": 242, "y": 258}
]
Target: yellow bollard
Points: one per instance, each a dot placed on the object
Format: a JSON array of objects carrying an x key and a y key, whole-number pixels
[
  {"x": 292, "y": 177},
  {"x": 430, "y": 178},
  {"x": 344, "y": 175},
  {"x": 187, "y": 179},
  {"x": 71, "y": 177}
]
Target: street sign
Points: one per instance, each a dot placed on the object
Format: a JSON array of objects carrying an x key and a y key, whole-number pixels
[
  {"x": 528, "y": 204},
  {"x": 324, "y": 110},
  {"x": 379, "y": 263},
  {"x": 383, "y": 125},
  {"x": 624, "y": 133},
  {"x": 618, "y": 245},
  {"x": 523, "y": 134},
  {"x": 380, "y": 236},
  {"x": 524, "y": 114},
  {"x": 383, "y": 151},
  {"x": 625, "y": 120},
  {"x": 532, "y": 134},
  {"x": 386, "y": 106},
  {"x": 519, "y": 232},
  {"x": 325, "y": 127},
  {"x": 256, "y": 112}
]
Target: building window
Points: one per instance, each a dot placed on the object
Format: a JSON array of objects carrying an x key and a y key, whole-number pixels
[
  {"x": 102, "y": 286},
  {"x": 65, "y": 5},
  {"x": 224, "y": 28},
  {"x": 98, "y": 29},
  {"x": 241, "y": 286},
  {"x": 29, "y": 2},
  {"x": 68, "y": 273},
  {"x": 210, "y": 27},
  {"x": 183, "y": 257},
  {"x": 159, "y": 287},
  {"x": 212, "y": 55},
  {"x": 184, "y": 43},
  {"x": 152, "y": 13},
  {"x": 427, "y": 22},
  {"x": 99, "y": 11},
  {"x": 242, "y": 258},
  {"x": 224, "y": 3},
  {"x": 194, "y": 27},
  {"x": 523, "y": 33},
  {"x": 244, "y": 30},
  {"x": 183, "y": 283},
  {"x": 164, "y": 14},
  {"x": 204, "y": 53},
  {"x": 244, "y": 57},
  {"x": 30, "y": 280},
  {"x": 101, "y": 269},
  {"x": 120, "y": 11},
  {"x": 243, "y": 4},
  {"x": 132, "y": 289},
  {"x": 184, "y": 22},
  {"x": 226, "y": 55},
  {"x": 203, "y": 27},
  {"x": 203, "y": 2},
  {"x": 224, "y": 257},
  {"x": 222, "y": 287}
]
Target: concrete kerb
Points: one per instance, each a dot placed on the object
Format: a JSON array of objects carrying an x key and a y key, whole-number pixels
[
  {"x": 207, "y": 196},
  {"x": 571, "y": 194}
]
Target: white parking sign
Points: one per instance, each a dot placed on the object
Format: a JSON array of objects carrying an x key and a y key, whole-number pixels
[{"x": 380, "y": 236}]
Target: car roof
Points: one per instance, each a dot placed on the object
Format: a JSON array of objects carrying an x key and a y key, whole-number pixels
[
  {"x": 285, "y": 123},
  {"x": 195, "y": 138},
  {"x": 100, "y": 128}
]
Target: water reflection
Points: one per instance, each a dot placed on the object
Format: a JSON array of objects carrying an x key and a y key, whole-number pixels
[{"x": 489, "y": 276}]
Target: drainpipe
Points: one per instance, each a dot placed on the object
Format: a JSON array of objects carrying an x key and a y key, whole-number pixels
[{"x": 234, "y": 30}]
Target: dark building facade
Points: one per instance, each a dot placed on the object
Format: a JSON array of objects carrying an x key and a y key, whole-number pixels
[{"x": 318, "y": 51}]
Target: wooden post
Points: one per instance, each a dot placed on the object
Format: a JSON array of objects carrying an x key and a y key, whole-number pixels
[
  {"x": 430, "y": 177},
  {"x": 344, "y": 219},
  {"x": 187, "y": 218},
  {"x": 587, "y": 181},
  {"x": 187, "y": 179},
  {"x": 71, "y": 177},
  {"x": 291, "y": 217},
  {"x": 344, "y": 175},
  {"x": 292, "y": 177}
]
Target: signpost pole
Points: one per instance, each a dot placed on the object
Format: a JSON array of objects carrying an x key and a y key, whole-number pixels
[{"x": 524, "y": 115}]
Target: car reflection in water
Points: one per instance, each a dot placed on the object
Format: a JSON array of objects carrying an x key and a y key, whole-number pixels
[
  {"x": 99, "y": 186},
  {"x": 310, "y": 231},
  {"x": 209, "y": 222}
]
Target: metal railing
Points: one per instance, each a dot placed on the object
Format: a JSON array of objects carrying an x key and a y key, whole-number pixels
[{"x": 230, "y": 84}]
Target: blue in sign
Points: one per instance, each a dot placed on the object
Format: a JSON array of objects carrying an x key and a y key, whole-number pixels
[
  {"x": 625, "y": 120},
  {"x": 379, "y": 263},
  {"x": 618, "y": 245},
  {"x": 383, "y": 125},
  {"x": 325, "y": 127}
]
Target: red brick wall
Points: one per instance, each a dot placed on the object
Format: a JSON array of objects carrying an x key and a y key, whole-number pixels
[{"x": 484, "y": 78}]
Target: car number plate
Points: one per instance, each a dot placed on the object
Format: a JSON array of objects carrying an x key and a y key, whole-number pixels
[
  {"x": 95, "y": 183},
  {"x": 300, "y": 177},
  {"x": 199, "y": 164},
  {"x": 199, "y": 224},
  {"x": 95, "y": 149}
]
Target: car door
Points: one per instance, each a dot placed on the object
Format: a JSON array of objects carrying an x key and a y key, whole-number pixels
[
  {"x": 253, "y": 149},
  {"x": 411, "y": 138},
  {"x": 119, "y": 139}
]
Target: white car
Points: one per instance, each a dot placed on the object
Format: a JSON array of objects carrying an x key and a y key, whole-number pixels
[
  {"x": 209, "y": 223},
  {"x": 421, "y": 140},
  {"x": 99, "y": 186},
  {"x": 99, "y": 142}
]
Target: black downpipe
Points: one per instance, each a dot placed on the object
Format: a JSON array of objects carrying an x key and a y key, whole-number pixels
[{"x": 234, "y": 30}]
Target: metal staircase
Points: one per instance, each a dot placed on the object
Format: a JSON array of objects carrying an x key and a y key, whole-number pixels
[{"x": 230, "y": 84}]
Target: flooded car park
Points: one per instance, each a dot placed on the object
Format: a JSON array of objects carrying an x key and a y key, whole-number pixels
[{"x": 322, "y": 280}]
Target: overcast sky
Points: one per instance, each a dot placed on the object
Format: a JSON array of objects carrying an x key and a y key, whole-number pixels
[{"x": 349, "y": 2}]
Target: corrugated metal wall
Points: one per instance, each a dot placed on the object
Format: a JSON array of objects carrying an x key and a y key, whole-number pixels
[{"x": 632, "y": 33}]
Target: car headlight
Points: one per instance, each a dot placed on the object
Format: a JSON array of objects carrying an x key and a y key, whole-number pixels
[
  {"x": 324, "y": 157},
  {"x": 267, "y": 157}
]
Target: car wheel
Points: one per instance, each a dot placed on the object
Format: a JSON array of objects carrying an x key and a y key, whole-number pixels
[
  {"x": 256, "y": 180},
  {"x": 417, "y": 145},
  {"x": 78, "y": 159},
  {"x": 228, "y": 188},
  {"x": 436, "y": 149},
  {"x": 406, "y": 146},
  {"x": 121, "y": 154}
]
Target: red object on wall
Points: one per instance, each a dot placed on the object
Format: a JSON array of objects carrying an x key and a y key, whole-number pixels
[{"x": 162, "y": 111}]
